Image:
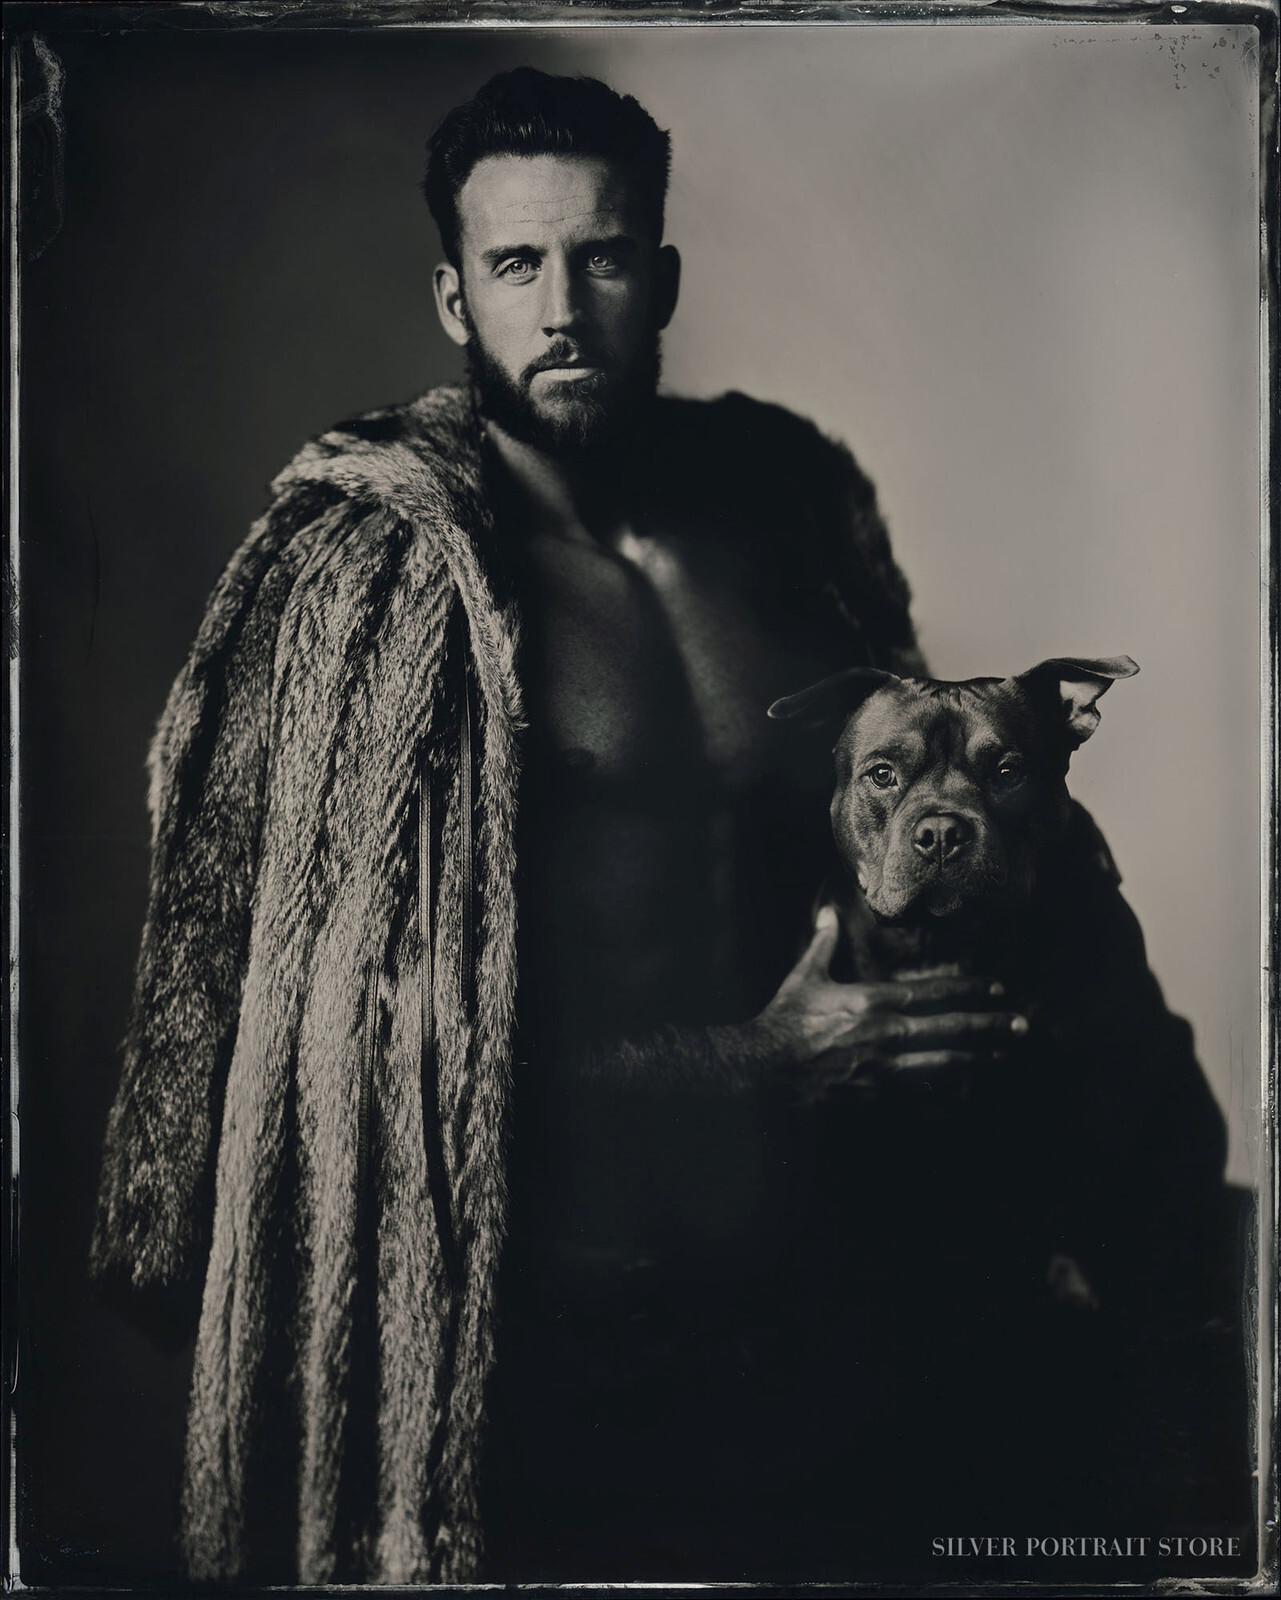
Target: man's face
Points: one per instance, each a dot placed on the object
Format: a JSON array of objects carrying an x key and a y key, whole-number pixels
[{"x": 562, "y": 295}]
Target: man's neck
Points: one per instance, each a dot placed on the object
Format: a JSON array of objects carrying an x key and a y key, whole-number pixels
[{"x": 570, "y": 497}]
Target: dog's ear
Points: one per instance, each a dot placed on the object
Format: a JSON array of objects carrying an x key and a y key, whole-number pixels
[
  {"x": 831, "y": 699},
  {"x": 1079, "y": 684}
]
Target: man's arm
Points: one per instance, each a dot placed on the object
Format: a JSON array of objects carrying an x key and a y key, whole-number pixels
[{"x": 816, "y": 1034}]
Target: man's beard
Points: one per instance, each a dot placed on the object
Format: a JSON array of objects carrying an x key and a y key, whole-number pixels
[{"x": 587, "y": 417}]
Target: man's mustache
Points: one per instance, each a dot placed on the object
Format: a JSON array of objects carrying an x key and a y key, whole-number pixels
[{"x": 563, "y": 353}]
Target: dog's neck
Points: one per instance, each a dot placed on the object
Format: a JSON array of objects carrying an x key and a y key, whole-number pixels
[{"x": 992, "y": 945}]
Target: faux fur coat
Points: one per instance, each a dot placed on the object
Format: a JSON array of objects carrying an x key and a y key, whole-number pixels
[{"x": 308, "y": 1138}]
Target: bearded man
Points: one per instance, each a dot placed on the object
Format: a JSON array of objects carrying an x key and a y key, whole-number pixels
[{"x": 507, "y": 646}]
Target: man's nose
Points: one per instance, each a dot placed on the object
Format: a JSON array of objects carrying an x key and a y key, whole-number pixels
[{"x": 562, "y": 307}]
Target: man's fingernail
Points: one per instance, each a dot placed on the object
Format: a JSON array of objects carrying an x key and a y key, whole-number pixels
[
  {"x": 1018, "y": 1025},
  {"x": 826, "y": 918},
  {"x": 997, "y": 988}
]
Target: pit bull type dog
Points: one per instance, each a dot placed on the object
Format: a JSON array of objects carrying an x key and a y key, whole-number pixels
[
  {"x": 1005, "y": 1284},
  {"x": 1006, "y": 1241},
  {"x": 964, "y": 854}
]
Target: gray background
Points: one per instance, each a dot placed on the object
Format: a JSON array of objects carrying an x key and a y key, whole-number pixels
[{"x": 1015, "y": 267}]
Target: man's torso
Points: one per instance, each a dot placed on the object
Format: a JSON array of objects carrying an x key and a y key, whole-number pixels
[{"x": 668, "y": 847}]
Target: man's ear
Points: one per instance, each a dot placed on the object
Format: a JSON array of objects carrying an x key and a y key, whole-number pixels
[
  {"x": 667, "y": 284},
  {"x": 832, "y": 699},
  {"x": 451, "y": 307},
  {"x": 1079, "y": 684}
]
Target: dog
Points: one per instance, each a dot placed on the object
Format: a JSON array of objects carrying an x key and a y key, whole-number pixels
[
  {"x": 963, "y": 853},
  {"x": 950, "y": 799},
  {"x": 1016, "y": 1239}
]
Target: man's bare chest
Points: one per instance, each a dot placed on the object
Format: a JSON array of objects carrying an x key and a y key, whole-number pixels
[
  {"x": 656, "y": 793},
  {"x": 650, "y": 657}
]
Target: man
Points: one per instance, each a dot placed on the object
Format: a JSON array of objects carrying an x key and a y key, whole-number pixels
[{"x": 494, "y": 651}]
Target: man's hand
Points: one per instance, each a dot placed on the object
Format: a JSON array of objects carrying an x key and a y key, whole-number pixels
[{"x": 830, "y": 1034}]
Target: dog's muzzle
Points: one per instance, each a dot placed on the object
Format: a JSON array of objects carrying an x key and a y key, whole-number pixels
[{"x": 941, "y": 838}]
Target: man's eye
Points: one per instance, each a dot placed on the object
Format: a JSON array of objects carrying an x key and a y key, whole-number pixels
[
  {"x": 602, "y": 261},
  {"x": 519, "y": 270},
  {"x": 882, "y": 775}
]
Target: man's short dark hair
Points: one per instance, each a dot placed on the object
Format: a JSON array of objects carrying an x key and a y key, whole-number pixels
[{"x": 530, "y": 113}]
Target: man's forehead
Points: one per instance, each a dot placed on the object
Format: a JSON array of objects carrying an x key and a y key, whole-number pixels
[{"x": 503, "y": 192}]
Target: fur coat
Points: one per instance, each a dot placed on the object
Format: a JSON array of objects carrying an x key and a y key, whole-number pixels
[{"x": 308, "y": 1138}]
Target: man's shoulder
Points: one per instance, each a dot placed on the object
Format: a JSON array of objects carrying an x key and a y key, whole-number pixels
[
  {"x": 351, "y": 492},
  {"x": 392, "y": 455},
  {"x": 440, "y": 418},
  {"x": 764, "y": 445},
  {"x": 734, "y": 419},
  {"x": 762, "y": 468}
]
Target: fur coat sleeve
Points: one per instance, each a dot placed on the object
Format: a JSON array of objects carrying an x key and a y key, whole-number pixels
[
  {"x": 207, "y": 771},
  {"x": 268, "y": 1152}
]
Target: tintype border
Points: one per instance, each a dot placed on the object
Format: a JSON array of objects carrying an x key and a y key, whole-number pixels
[{"x": 32, "y": 91}]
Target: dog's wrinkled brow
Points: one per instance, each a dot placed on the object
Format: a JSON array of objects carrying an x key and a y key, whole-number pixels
[
  {"x": 932, "y": 722},
  {"x": 882, "y": 728}
]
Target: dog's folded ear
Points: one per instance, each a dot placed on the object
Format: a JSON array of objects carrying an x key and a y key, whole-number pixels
[
  {"x": 831, "y": 699},
  {"x": 1078, "y": 684}
]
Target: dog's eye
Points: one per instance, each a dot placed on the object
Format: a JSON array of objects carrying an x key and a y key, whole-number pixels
[
  {"x": 1011, "y": 772},
  {"x": 882, "y": 775}
]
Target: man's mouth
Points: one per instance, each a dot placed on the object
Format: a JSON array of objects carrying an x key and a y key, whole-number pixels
[
  {"x": 564, "y": 362},
  {"x": 569, "y": 372}
]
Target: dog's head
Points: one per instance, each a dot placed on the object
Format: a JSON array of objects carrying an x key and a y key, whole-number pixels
[{"x": 948, "y": 794}]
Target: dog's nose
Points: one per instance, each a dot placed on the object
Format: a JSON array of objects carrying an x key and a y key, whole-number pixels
[{"x": 941, "y": 837}]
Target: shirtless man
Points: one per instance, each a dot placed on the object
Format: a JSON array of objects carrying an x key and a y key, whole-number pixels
[
  {"x": 671, "y": 840},
  {"x": 521, "y": 1243}
]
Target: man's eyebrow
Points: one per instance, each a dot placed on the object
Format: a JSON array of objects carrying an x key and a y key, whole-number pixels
[
  {"x": 501, "y": 252},
  {"x": 612, "y": 241}
]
